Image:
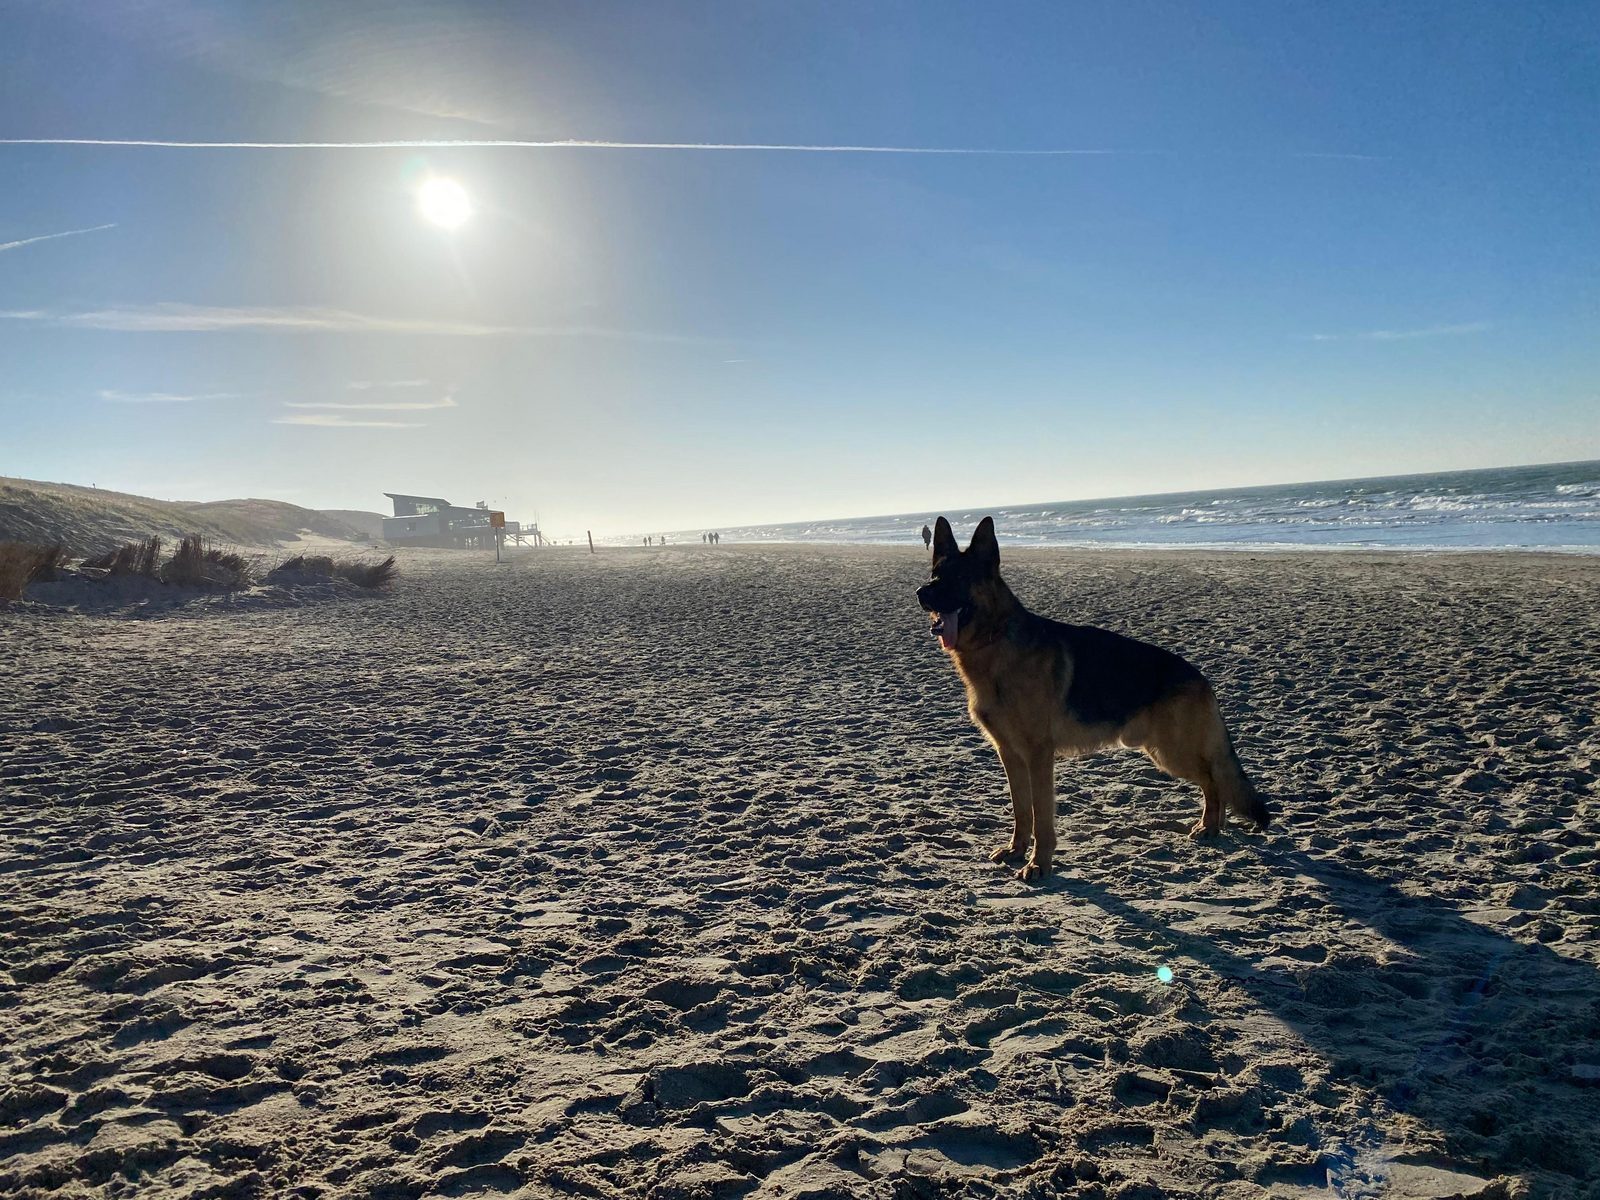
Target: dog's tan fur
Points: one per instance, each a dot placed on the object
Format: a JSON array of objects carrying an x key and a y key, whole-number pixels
[{"x": 1019, "y": 673}]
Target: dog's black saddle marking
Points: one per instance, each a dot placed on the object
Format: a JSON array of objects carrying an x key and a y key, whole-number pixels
[{"x": 1113, "y": 677}]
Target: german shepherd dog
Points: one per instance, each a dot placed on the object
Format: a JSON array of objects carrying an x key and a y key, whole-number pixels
[{"x": 1040, "y": 690}]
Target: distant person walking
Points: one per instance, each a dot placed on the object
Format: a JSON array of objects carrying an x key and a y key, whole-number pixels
[{"x": 927, "y": 537}]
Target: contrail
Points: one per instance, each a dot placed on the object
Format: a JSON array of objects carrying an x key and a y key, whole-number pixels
[
  {"x": 562, "y": 144},
  {"x": 577, "y": 144},
  {"x": 45, "y": 237}
]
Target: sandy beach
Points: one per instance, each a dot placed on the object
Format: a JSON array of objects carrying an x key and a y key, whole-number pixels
[{"x": 661, "y": 873}]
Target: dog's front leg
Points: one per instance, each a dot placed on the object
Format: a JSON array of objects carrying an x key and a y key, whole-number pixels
[
  {"x": 1042, "y": 777},
  {"x": 1021, "y": 785}
]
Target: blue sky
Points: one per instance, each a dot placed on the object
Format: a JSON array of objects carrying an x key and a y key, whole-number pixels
[{"x": 1320, "y": 240}]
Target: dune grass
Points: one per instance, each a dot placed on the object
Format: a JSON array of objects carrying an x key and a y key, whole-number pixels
[
  {"x": 131, "y": 558},
  {"x": 362, "y": 574},
  {"x": 367, "y": 575},
  {"x": 22, "y": 563},
  {"x": 194, "y": 564}
]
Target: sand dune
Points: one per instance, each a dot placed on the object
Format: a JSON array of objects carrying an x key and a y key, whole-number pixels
[
  {"x": 660, "y": 874},
  {"x": 90, "y": 520}
]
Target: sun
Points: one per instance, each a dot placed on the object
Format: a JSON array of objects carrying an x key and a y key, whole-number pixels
[{"x": 444, "y": 202}]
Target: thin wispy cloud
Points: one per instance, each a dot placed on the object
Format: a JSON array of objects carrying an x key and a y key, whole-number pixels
[
  {"x": 1404, "y": 335},
  {"x": 584, "y": 144},
  {"x": 362, "y": 385},
  {"x": 376, "y": 405},
  {"x": 193, "y": 318},
  {"x": 117, "y": 397},
  {"x": 50, "y": 237},
  {"x": 337, "y": 421}
]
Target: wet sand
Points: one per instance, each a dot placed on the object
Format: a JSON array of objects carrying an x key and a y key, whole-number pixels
[{"x": 660, "y": 873}]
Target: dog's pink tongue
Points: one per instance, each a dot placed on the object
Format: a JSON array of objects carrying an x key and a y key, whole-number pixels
[{"x": 948, "y": 624}]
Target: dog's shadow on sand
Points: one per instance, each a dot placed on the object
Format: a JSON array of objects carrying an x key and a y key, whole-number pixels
[{"x": 1467, "y": 1030}]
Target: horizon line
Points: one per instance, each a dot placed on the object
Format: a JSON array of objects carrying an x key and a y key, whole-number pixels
[
  {"x": 967, "y": 509},
  {"x": 964, "y": 509}
]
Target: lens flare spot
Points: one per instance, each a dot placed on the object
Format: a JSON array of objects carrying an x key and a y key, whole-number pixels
[
  {"x": 1164, "y": 974},
  {"x": 444, "y": 202}
]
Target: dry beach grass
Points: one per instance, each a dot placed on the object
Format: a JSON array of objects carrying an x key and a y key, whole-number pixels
[
  {"x": 362, "y": 574},
  {"x": 133, "y": 580},
  {"x": 661, "y": 874},
  {"x": 22, "y": 563}
]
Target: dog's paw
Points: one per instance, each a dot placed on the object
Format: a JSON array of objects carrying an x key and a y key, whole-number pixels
[
  {"x": 1199, "y": 831},
  {"x": 1033, "y": 869},
  {"x": 1007, "y": 853}
]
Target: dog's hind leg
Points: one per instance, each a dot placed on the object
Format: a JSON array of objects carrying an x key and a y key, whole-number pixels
[
  {"x": 1238, "y": 794},
  {"x": 1186, "y": 737},
  {"x": 1178, "y": 735},
  {"x": 1230, "y": 789},
  {"x": 1021, "y": 785},
  {"x": 1189, "y": 766},
  {"x": 1213, "y": 815}
]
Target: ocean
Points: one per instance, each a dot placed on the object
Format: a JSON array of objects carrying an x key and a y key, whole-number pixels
[{"x": 1553, "y": 506}]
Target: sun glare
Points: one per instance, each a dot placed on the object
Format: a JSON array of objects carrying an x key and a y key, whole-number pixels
[{"x": 444, "y": 202}]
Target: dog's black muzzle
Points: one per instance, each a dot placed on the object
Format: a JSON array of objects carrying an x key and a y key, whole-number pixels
[
  {"x": 948, "y": 612},
  {"x": 937, "y": 598}
]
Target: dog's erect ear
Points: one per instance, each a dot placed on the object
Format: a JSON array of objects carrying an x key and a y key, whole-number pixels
[
  {"x": 944, "y": 541},
  {"x": 984, "y": 546}
]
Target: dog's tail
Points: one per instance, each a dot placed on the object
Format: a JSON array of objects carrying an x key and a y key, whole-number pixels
[{"x": 1239, "y": 795}]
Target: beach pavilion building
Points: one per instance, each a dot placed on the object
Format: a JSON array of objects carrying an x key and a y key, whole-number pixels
[{"x": 434, "y": 521}]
